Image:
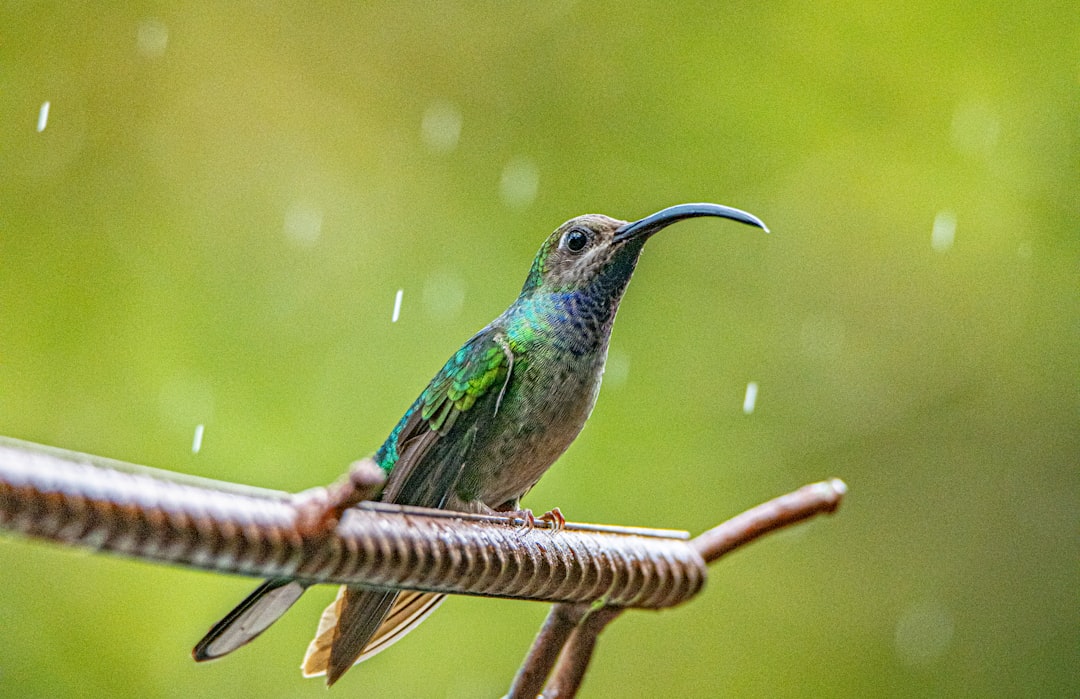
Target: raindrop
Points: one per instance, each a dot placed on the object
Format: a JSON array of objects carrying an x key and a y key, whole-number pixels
[
  {"x": 196, "y": 443},
  {"x": 43, "y": 116},
  {"x": 750, "y": 399},
  {"x": 397, "y": 306}
]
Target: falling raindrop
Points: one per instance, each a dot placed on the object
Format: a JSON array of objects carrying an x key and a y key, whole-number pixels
[
  {"x": 196, "y": 443},
  {"x": 43, "y": 117},
  {"x": 751, "y": 398},
  {"x": 397, "y": 306}
]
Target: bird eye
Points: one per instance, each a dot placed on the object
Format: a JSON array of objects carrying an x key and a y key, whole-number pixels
[{"x": 575, "y": 240}]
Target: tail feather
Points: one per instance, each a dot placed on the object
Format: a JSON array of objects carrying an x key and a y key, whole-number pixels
[
  {"x": 410, "y": 608},
  {"x": 317, "y": 657},
  {"x": 250, "y": 618},
  {"x": 373, "y": 620},
  {"x": 360, "y": 614}
]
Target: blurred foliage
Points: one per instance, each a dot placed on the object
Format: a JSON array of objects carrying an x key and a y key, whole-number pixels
[{"x": 213, "y": 223}]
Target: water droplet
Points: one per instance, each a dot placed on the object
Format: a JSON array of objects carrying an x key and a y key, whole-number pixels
[
  {"x": 751, "y": 398},
  {"x": 519, "y": 184},
  {"x": 440, "y": 128},
  {"x": 43, "y": 117},
  {"x": 196, "y": 443},
  {"x": 397, "y": 306}
]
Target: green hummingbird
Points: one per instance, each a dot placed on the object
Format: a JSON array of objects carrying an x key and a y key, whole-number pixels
[{"x": 496, "y": 416}]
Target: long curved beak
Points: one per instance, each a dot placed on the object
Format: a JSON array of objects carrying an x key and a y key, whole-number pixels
[{"x": 662, "y": 219}]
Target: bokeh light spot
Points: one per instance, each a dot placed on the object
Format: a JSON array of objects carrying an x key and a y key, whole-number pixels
[
  {"x": 519, "y": 184},
  {"x": 151, "y": 38},
  {"x": 440, "y": 128},
  {"x": 444, "y": 295},
  {"x": 924, "y": 632},
  {"x": 303, "y": 223}
]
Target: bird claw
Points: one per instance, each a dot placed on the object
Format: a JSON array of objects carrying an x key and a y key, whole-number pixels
[{"x": 553, "y": 518}]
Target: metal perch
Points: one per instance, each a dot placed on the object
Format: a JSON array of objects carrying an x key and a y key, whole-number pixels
[{"x": 331, "y": 535}]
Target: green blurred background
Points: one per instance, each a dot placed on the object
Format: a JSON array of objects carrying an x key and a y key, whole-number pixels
[{"x": 212, "y": 226}]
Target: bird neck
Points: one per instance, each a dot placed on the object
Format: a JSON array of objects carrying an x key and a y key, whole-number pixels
[{"x": 577, "y": 320}]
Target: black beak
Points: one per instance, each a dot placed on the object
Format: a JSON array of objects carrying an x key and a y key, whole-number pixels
[{"x": 662, "y": 219}]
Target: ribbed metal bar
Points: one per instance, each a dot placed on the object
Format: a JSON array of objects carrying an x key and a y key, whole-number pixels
[{"x": 152, "y": 515}]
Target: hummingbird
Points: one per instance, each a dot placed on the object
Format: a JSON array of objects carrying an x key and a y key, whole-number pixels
[{"x": 502, "y": 409}]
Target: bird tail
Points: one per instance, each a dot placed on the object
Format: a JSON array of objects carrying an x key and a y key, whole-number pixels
[
  {"x": 250, "y": 618},
  {"x": 360, "y": 623}
]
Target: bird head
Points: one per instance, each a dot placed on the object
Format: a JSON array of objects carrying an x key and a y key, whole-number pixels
[{"x": 593, "y": 250}]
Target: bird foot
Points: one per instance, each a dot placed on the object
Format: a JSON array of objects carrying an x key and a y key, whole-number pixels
[{"x": 553, "y": 518}]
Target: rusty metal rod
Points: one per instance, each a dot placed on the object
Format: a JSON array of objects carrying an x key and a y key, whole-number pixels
[
  {"x": 96, "y": 503},
  {"x": 569, "y": 635}
]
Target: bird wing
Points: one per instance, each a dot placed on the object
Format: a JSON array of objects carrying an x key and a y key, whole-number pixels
[
  {"x": 249, "y": 619},
  {"x": 362, "y": 621},
  {"x": 427, "y": 466}
]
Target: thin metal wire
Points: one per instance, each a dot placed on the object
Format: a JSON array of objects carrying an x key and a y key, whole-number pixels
[{"x": 152, "y": 515}]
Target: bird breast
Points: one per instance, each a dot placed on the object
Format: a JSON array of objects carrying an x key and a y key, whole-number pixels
[{"x": 549, "y": 398}]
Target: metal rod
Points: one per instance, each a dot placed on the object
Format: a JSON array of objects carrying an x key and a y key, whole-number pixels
[{"x": 94, "y": 503}]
